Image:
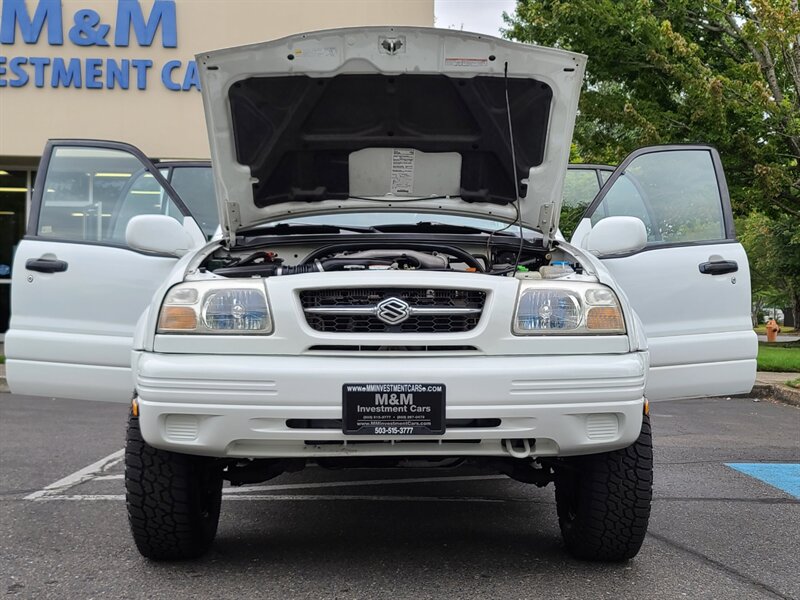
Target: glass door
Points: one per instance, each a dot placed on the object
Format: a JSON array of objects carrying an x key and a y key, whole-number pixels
[{"x": 15, "y": 185}]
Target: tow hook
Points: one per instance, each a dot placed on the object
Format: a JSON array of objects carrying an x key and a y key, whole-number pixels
[{"x": 523, "y": 452}]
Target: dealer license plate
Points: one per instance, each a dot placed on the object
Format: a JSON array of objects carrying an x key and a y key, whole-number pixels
[{"x": 393, "y": 409}]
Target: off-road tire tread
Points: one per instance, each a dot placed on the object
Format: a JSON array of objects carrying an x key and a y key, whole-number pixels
[
  {"x": 173, "y": 500},
  {"x": 614, "y": 491}
]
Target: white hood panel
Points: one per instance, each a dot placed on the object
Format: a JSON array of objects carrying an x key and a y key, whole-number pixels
[{"x": 392, "y": 52}]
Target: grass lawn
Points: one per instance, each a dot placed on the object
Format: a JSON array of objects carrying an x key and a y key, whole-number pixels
[
  {"x": 2, "y": 359},
  {"x": 762, "y": 329},
  {"x": 783, "y": 358}
]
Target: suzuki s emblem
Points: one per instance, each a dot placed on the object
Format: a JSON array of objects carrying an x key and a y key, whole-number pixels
[{"x": 393, "y": 311}]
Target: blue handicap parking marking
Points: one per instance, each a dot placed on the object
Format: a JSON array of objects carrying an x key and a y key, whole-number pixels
[{"x": 784, "y": 476}]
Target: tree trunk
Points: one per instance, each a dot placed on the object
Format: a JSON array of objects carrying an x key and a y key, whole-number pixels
[
  {"x": 755, "y": 309},
  {"x": 792, "y": 313}
]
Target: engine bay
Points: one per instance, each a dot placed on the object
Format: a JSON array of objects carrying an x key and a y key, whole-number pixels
[{"x": 290, "y": 255}]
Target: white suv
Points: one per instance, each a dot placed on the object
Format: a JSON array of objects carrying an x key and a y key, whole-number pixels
[{"x": 389, "y": 286}]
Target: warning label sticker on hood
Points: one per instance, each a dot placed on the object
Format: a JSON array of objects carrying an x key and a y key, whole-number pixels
[
  {"x": 402, "y": 170},
  {"x": 466, "y": 62}
]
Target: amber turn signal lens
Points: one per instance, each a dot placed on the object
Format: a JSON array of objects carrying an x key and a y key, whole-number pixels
[
  {"x": 177, "y": 318},
  {"x": 604, "y": 317}
]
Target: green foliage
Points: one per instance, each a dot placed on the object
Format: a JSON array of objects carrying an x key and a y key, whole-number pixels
[
  {"x": 725, "y": 72},
  {"x": 773, "y": 248}
]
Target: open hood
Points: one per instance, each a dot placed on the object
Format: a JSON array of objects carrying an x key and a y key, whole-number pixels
[{"x": 390, "y": 118}]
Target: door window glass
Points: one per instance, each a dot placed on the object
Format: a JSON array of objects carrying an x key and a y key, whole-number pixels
[
  {"x": 91, "y": 193},
  {"x": 626, "y": 200},
  {"x": 674, "y": 193},
  {"x": 142, "y": 195},
  {"x": 195, "y": 186},
  {"x": 580, "y": 188}
]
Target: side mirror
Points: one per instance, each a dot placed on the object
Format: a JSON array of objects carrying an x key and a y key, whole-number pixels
[
  {"x": 158, "y": 233},
  {"x": 616, "y": 235}
]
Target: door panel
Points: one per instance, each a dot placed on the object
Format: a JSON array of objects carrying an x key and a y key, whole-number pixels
[
  {"x": 83, "y": 316},
  {"x": 696, "y": 317},
  {"x": 78, "y": 290}
]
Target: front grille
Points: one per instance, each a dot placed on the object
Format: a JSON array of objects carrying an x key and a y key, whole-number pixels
[{"x": 392, "y": 310}]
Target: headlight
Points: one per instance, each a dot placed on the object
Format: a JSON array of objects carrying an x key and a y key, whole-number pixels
[
  {"x": 213, "y": 307},
  {"x": 567, "y": 308}
]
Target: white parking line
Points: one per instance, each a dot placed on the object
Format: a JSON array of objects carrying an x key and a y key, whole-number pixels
[
  {"x": 300, "y": 486},
  {"x": 94, "y": 472},
  {"x": 78, "y": 477}
]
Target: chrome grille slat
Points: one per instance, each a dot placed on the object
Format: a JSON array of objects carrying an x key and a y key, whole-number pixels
[
  {"x": 356, "y": 310},
  {"x": 372, "y": 310}
]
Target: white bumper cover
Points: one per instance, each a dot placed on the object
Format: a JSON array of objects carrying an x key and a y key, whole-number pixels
[{"x": 238, "y": 406}]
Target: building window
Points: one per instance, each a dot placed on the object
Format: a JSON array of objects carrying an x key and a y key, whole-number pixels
[{"x": 14, "y": 199}]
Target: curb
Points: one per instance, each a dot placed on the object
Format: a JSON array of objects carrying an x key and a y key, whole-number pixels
[
  {"x": 775, "y": 391},
  {"x": 4, "y": 386}
]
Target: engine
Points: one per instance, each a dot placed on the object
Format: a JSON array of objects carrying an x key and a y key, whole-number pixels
[
  {"x": 270, "y": 264},
  {"x": 291, "y": 256}
]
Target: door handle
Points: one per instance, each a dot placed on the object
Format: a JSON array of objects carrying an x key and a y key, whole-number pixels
[
  {"x": 46, "y": 265},
  {"x": 719, "y": 267}
]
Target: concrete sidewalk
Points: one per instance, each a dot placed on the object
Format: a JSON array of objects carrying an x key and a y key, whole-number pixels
[
  {"x": 3, "y": 384},
  {"x": 782, "y": 339},
  {"x": 781, "y": 378}
]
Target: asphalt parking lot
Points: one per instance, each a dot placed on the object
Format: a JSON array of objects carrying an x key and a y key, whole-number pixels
[{"x": 716, "y": 532}]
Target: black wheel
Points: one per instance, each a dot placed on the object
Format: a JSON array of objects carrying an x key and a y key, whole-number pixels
[
  {"x": 173, "y": 499},
  {"x": 603, "y": 500}
]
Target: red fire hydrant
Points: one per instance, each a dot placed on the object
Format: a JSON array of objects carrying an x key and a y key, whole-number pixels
[{"x": 773, "y": 329}]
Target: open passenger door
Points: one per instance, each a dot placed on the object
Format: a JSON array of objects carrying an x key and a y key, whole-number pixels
[
  {"x": 690, "y": 284},
  {"x": 78, "y": 288}
]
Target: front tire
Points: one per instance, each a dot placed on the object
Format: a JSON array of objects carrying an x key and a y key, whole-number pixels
[
  {"x": 173, "y": 499},
  {"x": 603, "y": 500}
]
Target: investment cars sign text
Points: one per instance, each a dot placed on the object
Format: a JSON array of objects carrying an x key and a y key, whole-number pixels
[{"x": 25, "y": 23}]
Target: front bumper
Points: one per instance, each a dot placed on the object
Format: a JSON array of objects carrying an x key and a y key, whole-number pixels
[{"x": 238, "y": 406}]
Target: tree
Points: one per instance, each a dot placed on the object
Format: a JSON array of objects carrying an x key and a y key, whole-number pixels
[
  {"x": 724, "y": 72},
  {"x": 666, "y": 71},
  {"x": 773, "y": 248}
]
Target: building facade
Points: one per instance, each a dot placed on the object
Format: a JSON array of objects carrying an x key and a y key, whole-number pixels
[{"x": 124, "y": 70}]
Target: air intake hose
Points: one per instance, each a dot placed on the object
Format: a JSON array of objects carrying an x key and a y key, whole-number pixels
[{"x": 315, "y": 267}]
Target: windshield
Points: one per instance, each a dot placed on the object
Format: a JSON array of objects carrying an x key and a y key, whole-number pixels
[{"x": 377, "y": 219}]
